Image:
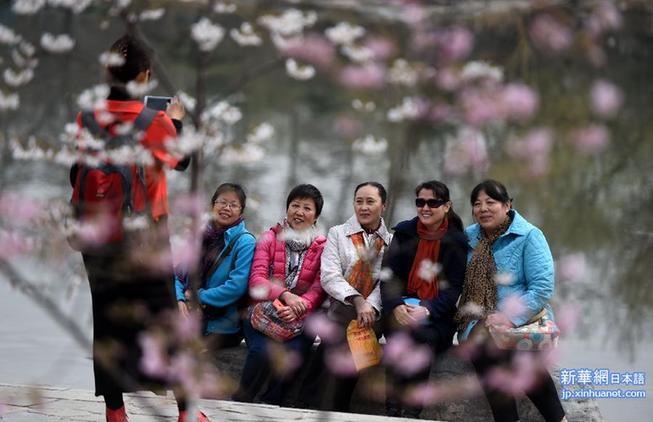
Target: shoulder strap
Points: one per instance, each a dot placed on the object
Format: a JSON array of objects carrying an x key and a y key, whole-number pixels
[
  {"x": 89, "y": 122},
  {"x": 225, "y": 253},
  {"x": 144, "y": 119}
]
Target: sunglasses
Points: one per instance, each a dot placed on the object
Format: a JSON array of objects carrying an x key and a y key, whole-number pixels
[{"x": 432, "y": 203}]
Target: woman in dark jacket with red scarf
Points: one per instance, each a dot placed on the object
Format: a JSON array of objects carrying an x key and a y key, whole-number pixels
[{"x": 427, "y": 259}]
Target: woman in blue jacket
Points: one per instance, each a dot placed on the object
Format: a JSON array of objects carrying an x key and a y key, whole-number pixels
[
  {"x": 508, "y": 281},
  {"x": 227, "y": 243}
]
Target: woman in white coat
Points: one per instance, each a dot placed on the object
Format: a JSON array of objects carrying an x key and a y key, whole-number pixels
[{"x": 350, "y": 272}]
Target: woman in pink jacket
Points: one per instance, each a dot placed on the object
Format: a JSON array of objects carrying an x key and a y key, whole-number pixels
[{"x": 286, "y": 266}]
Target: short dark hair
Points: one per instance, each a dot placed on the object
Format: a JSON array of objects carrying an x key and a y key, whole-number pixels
[
  {"x": 492, "y": 188},
  {"x": 231, "y": 187},
  {"x": 309, "y": 192},
  {"x": 382, "y": 192},
  {"x": 441, "y": 191},
  {"x": 136, "y": 59}
]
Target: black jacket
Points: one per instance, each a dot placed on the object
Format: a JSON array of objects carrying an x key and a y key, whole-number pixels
[{"x": 399, "y": 258}]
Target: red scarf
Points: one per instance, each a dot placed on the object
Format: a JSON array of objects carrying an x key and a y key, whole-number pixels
[{"x": 427, "y": 248}]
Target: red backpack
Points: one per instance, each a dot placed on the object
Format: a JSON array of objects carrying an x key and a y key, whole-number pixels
[{"x": 104, "y": 194}]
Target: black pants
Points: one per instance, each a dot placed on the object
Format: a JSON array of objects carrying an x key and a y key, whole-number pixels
[
  {"x": 438, "y": 337},
  {"x": 260, "y": 367},
  {"x": 128, "y": 298},
  {"x": 504, "y": 407}
]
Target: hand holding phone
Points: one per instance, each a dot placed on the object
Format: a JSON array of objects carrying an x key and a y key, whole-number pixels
[{"x": 157, "y": 103}]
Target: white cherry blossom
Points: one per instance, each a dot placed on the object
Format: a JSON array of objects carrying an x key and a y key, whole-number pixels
[
  {"x": 369, "y": 145},
  {"x": 410, "y": 109},
  {"x": 207, "y": 34},
  {"x": 77, "y": 6},
  {"x": 138, "y": 89},
  {"x": 17, "y": 78},
  {"x": 481, "y": 70},
  {"x": 261, "y": 133},
  {"x": 357, "y": 54},
  {"x": 402, "y": 73},
  {"x": 9, "y": 101},
  {"x": 57, "y": 43},
  {"x": 8, "y": 36},
  {"x": 224, "y": 8},
  {"x": 291, "y": 23},
  {"x": 152, "y": 14},
  {"x": 296, "y": 71},
  {"x": 110, "y": 59},
  {"x": 245, "y": 36},
  {"x": 27, "y": 7},
  {"x": 93, "y": 98},
  {"x": 344, "y": 33}
]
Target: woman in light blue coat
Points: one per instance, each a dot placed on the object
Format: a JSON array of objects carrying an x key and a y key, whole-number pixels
[
  {"x": 509, "y": 280},
  {"x": 225, "y": 262}
]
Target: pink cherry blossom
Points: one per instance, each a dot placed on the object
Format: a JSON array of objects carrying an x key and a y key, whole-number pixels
[
  {"x": 520, "y": 377},
  {"x": 319, "y": 325},
  {"x": 590, "y": 139},
  {"x": 441, "y": 113},
  {"x": 519, "y": 101},
  {"x": 368, "y": 76},
  {"x": 413, "y": 13},
  {"x": 425, "y": 394},
  {"x": 186, "y": 328},
  {"x": 283, "y": 360},
  {"x": 549, "y": 34},
  {"x": 606, "y": 98},
  {"x": 13, "y": 244},
  {"x": 480, "y": 106},
  {"x": 407, "y": 357},
  {"x": 19, "y": 209},
  {"x": 188, "y": 204},
  {"x": 447, "y": 79},
  {"x": 572, "y": 267},
  {"x": 456, "y": 43},
  {"x": 348, "y": 127},
  {"x": 467, "y": 151},
  {"x": 604, "y": 17},
  {"x": 312, "y": 48},
  {"x": 186, "y": 251},
  {"x": 340, "y": 362},
  {"x": 567, "y": 317},
  {"x": 513, "y": 306},
  {"x": 533, "y": 150},
  {"x": 382, "y": 48},
  {"x": 153, "y": 360}
]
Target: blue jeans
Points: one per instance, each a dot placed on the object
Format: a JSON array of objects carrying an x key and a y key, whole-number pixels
[{"x": 258, "y": 367}]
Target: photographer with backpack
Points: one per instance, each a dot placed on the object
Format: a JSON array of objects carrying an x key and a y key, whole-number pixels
[{"x": 119, "y": 183}]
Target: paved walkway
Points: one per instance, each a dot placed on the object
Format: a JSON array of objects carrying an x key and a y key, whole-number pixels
[{"x": 39, "y": 404}]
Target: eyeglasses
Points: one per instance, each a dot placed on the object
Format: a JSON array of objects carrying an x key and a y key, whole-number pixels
[
  {"x": 432, "y": 203},
  {"x": 225, "y": 204}
]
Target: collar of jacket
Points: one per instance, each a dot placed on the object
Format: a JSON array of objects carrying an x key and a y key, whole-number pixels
[
  {"x": 407, "y": 227},
  {"x": 352, "y": 226},
  {"x": 518, "y": 227},
  {"x": 233, "y": 231}
]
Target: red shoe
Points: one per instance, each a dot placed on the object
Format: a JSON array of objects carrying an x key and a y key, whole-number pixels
[
  {"x": 200, "y": 418},
  {"x": 118, "y": 415}
]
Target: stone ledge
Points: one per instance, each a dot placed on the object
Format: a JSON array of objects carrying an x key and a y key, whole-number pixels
[
  {"x": 20, "y": 403},
  {"x": 472, "y": 409}
]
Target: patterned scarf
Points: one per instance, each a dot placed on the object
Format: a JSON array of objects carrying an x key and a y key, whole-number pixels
[
  {"x": 360, "y": 277},
  {"x": 428, "y": 248},
  {"x": 297, "y": 243},
  {"x": 480, "y": 288}
]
